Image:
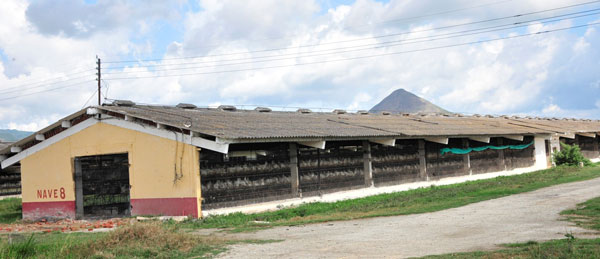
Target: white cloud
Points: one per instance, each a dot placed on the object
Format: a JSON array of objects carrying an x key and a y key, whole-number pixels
[
  {"x": 496, "y": 77},
  {"x": 551, "y": 109}
]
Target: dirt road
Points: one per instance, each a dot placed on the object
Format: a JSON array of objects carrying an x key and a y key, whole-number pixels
[{"x": 479, "y": 226}]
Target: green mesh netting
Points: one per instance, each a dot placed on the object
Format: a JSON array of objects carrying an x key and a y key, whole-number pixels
[{"x": 471, "y": 149}]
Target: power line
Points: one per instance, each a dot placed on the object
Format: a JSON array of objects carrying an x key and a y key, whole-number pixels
[
  {"x": 433, "y": 14},
  {"x": 88, "y": 100},
  {"x": 363, "y": 57},
  {"x": 47, "y": 90},
  {"x": 350, "y": 27},
  {"x": 377, "y": 45},
  {"x": 20, "y": 89},
  {"x": 46, "y": 81},
  {"x": 360, "y": 39}
]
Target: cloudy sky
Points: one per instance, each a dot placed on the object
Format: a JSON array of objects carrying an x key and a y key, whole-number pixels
[{"x": 466, "y": 56}]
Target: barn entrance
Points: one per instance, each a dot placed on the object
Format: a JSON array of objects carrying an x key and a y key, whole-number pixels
[{"x": 102, "y": 186}]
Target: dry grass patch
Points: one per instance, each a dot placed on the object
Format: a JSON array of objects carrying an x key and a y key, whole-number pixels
[
  {"x": 151, "y": 239},
  {"x": 139, "y": 240}
]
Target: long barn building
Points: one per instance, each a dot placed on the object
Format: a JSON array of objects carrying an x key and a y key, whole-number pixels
[{"x": 124, "y": 159}]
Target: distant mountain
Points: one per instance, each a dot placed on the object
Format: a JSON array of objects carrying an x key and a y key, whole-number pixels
[
  {"x": 7, "y": 135},
  {"x": 402, "y": 101}
]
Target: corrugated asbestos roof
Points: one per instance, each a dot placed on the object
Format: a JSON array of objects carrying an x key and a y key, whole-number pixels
[
  {"x": 254, "y": 126},
  {"x": 250, "y": 124},
  {"x": 4, "y": 144}
]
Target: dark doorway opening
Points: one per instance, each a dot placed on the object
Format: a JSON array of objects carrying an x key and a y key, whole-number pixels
[{"x": 102, "y": 186}]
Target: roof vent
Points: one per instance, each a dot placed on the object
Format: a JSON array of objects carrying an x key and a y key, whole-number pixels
[
  {"x": 362, "y": 112},
  {"x": 304, "y": 111},
  {"x": 339, "y": 111},
  {"x": 262, "y": 109},
  {"x": 124, "y": 103},
  {"x": 186, "y": 106},
  {"x": 230, "y": 108}
]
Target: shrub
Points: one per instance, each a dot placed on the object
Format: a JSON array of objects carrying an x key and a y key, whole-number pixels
[{"x": 570, "y": 155}]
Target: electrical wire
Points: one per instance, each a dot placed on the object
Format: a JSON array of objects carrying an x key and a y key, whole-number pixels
[
  {"x": 377, "y": 45},
  {"x": 40, "y": 86},
  {"x": 89, "y": 99},
  {"x": 364, "y": 57},
  {"x": 47, "y": 90},
  {"x": 431, "y": 14},
  {"x": 28, "y": 82},
  {"x": 360, "y": 39},
  {"x": 351, "y": 27}
]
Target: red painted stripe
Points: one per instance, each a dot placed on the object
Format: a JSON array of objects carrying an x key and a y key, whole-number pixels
[
  {"x": 165, "y": 207},
  {"x": 48, "y": 209}
]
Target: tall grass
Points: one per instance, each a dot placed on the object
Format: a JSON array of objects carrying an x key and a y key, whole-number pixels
[{"x": 10, "y": 210}]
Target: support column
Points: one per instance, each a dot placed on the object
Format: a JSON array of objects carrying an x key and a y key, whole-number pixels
[
  {"x": 501, "y": 162},
  {"x": 422, "y": 161},
  {"x": 540, "y": 153},
  {"x": 467, "y": 158},
  {"x": 78, "y": 190},
  {"x": 596, "y": 146},
  {"x": 368, "y": 163},
  {"x": 294, "y": 177}
]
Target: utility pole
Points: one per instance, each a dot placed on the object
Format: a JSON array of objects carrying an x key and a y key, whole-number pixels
[{"x": 99, "y": 73}]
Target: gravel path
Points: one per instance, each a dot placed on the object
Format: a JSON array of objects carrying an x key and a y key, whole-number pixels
[{"x": 479, "y": 226}]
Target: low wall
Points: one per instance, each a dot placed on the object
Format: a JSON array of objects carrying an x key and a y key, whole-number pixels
[
  {"x": 346, "y": 169},
  {"x": 359, "y": 193}
]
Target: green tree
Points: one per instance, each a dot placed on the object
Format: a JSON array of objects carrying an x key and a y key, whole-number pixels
[{"x": 570, "y": 155}]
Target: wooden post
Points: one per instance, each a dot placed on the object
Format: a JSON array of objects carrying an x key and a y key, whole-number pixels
[
  {"x": 422, "y": 161},
  {"x": 294, "y": 177},
  {"x": 501, "y": 161},
  {"x": 78, "y": 190},
  {"x": 467, "y": 158},
  {"x": 368, "y": 163}
]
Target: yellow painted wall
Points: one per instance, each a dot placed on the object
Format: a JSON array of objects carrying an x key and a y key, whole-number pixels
[{"x": 152, "y": 172}]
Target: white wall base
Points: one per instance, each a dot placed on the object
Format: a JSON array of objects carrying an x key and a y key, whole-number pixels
[{"x": 364, "y": 192}]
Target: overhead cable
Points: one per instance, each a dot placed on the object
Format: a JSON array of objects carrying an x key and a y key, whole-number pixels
[
  {"x": 363, "y": 57},
  {"x": 360, "y": 39},
  {"x": 353, "y": 48}
]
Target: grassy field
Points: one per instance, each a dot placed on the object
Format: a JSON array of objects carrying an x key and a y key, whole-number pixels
[
  {"x": 422, "y": 200},
  {"x": 586, "y": 215},
  {"x": 155, "y": 239}
]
